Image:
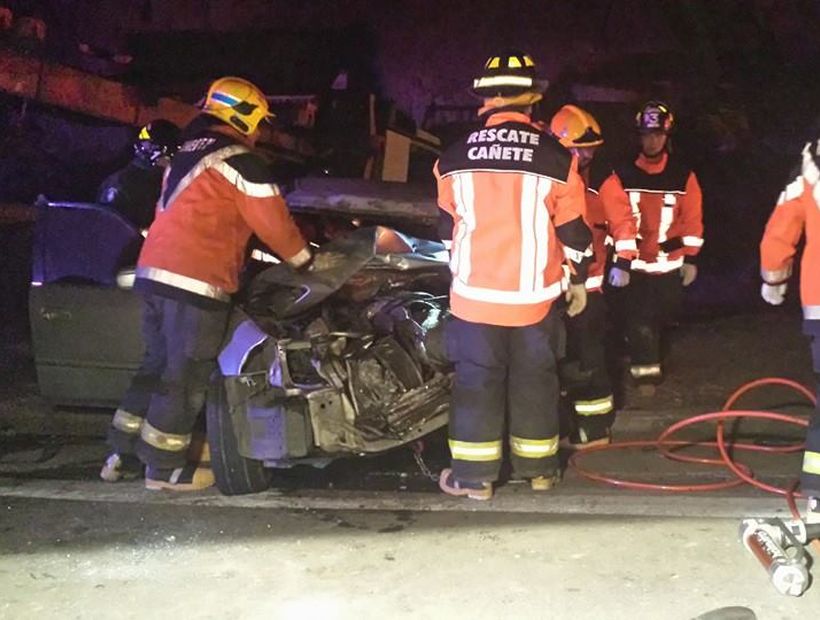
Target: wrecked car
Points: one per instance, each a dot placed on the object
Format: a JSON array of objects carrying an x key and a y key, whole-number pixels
[{"x": 346, "y": 359}]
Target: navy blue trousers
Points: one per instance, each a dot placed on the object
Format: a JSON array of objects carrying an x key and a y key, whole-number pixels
[
  {"x": 169, "y": 390},
  {"x": 810, "y": 482},
  {"x": 504, "y": 374}
]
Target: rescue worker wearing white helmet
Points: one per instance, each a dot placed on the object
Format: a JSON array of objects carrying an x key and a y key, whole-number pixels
[
  {"x": 513, "y": 192},
  {"x": 584, "y": 370},
  {"x": 654, "y": 208},
  {"x": 216, "y": 194},
  {"x": 796, "y": 216}
]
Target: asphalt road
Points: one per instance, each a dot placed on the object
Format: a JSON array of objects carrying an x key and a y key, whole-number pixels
[
  {"x": 100, "y": 559},
  {"x": 374, "y": 537}
]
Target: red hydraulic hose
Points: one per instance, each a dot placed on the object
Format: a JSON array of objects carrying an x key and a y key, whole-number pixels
[{"x": 742, "y": 473}]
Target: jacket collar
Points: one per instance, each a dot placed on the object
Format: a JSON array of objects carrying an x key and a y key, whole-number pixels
[
  {"x": 506, "y": 116},
  {"x": 652, "y": 167}
]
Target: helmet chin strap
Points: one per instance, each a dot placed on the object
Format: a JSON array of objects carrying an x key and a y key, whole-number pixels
[{"x": 523, "y": 99}]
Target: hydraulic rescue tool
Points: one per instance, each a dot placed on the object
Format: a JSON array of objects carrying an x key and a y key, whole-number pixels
[{"x": 778, "y": 546}]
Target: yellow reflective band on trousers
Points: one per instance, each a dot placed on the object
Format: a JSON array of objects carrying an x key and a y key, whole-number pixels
[
  {"x": 164, "y": 441},
  {"x": 476, "y": 450},
  {"x": 534, "y": 448},
  {"x": 647, "y": 370},
  {"x": 126, "y": 422},
  {"x": 811, "y": 463},
  {"x": 599, "y": 406}
]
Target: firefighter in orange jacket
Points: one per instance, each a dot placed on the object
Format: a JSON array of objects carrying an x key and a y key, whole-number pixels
[
  {"x": 798, "y": 211},
  {"x": 517, "y": 203},
  {"x": 589, "y": 385},
  {"x": 653, "y": 206},
  {"x": 216, "y": 193}
]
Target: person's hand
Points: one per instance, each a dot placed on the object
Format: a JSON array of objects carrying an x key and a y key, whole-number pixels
[
  {"x": 576, "y": 297},
  {"x": 773, "y": 294},
  {"x": 688, "y": 273},
  {"x": 618, "y": 277}
]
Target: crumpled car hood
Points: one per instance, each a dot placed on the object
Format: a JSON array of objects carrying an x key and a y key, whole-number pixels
[{"x": 284, "y": 292}]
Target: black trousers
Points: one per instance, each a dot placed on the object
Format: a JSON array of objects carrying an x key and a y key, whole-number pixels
[
  {"x": 504, "y": 373},
  {"x": 649, "y": 304},
  {"x": 160, "y": 408},
  {"x": 810, "y": 476},
  {"x": 589, "y": 386}
]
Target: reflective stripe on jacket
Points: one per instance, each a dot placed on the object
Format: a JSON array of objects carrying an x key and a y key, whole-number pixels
[
  {"x": 655, "y": 213},
  {"x": 510, "y": 187},
  {"x": 595, "y": 218},
  {"x": 797, "y": 210},
  {"x": 216, "y": 193}
]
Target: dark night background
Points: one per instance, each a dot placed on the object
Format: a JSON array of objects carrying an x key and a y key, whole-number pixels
[{"x": 740, "y": 75}]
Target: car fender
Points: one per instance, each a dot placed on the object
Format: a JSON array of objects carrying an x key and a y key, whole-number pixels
[{"x": 245, "y": 338}]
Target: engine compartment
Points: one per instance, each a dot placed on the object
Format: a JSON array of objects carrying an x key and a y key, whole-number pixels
[{"x": 346, "y": 358}]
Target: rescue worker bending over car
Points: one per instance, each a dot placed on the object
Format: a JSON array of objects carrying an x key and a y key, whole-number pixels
[
  {"x": 217, "y": 193},
  {"x": 514, "y": 193},
  {"x": 653, "y": 206},
  {"x": 798, "y": 211},
  {"x": 589, "y": 385},
  {"x": 134, "y": 190}
]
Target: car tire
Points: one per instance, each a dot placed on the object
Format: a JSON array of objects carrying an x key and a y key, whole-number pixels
[{"x": 235, "y": 474}]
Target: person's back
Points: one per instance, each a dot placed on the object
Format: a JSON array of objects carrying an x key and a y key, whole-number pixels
[
  {"x": 506, "y": 256},
  {"x": 133, "y": 192},
  {"x": 517, "y": 205},
  {"x": 216, "y": 194}
]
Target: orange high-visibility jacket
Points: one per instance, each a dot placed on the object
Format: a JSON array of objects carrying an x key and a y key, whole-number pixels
[
  {"x": 216, "y": 193},
  {"x": 655, "y": 214},
  {"x": 513, "y": 191},
  {"x": 797, "y": 210},
  {"x": 595, "y": 218}
]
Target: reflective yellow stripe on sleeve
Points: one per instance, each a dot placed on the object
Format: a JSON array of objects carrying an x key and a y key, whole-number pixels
[
  {"x": 599, "y": 406},
  {"x": 476, "y": 450},
  {"x": 534, "y": 448},
  {"x": 811, "y": 463}
]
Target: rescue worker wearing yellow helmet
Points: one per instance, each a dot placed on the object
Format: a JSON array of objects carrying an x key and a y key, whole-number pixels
[
  {"x": 216, "y": 194},
  {"x": 584, "y": 370},
  {"x": 513, "y": 192},
  {"x": 654, "y": 209}
]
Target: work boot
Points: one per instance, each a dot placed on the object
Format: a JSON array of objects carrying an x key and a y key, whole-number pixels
[
  {"x": 582, "y": 439},
  {"x": 119, "y": 466},
  {"x": 188, "y": 478},
  {"x": 199, "y": 452},
  {"x": 813, "y": 511},
  {"x": 545, "y": 483},
  {"x": 448, "y": 483}
]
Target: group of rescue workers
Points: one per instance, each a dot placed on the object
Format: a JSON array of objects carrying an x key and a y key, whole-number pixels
[{"x": 533, "y": 222}]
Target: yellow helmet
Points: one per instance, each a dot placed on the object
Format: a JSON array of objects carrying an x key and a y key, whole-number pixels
[
  {"x": 575, "y": 127},
  {"x": 237, "y": 102}
]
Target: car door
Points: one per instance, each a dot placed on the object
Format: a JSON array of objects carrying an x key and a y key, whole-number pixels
[{"x": 85, "y": 319}]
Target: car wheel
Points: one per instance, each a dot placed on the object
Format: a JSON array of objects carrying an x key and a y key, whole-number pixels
[{"x": 235, "y": 474}]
